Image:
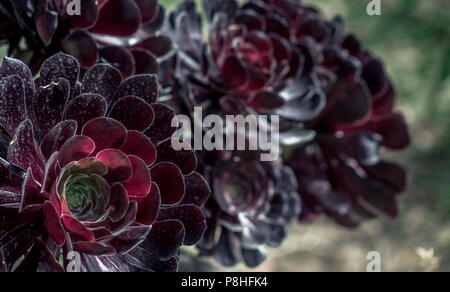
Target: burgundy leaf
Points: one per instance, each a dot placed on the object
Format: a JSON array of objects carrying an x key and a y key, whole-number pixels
[
  {"x": 53, "y": 224},
  {"x": 103, "y": 80},
  {"x": 57, "y": 137},
  {"x": 394, "y": 130},
  {"x": 50, "y": 173},
  {"x": 77, "y": 229},
  {"x": 74, "y": 149},
  {"x": 50, "y": 103},
  {"x": 157, "y": 45},
  {"x": 165, "y": 239},
  {"x": 149, "y": 9},
  {"x": 390, "y": 173},
  {"x": 148, "y": 206},
  {"x": 161, "y": 128},
  {"x": 119, "y": 18},
  {"x": 15, "y": 67},
  {"x": 119, "y": 165},
  {"x": 106, "y": 133},
  {"x": 120, "y": 58},
  {"x": 60, "y": 66},
  {"x": 31, "y": 192},
  {"x": 82, "y": 46},
  {"x": 134, "y": 113},
  {"x": 145, "y": 62},
  {"x": 119, "y": 202},
  {"x": 184, "y": 159},
  {"x": 192, "y": 218},
  {"x": 170, "y": 181},
  {"x": 139, "y": 145},
  {"x": 86, "y": 107},
  {"x": 142, "y": 86},
  {"x": 127, "y": 220},
  {"x": 24, "y": 152},
  {"x": 233, "y": 72},
  {"x": 93, "y": 248},
  {"x": 197, "y": 190},
  {"x": 140, "y": 182},
  {"x": 129, "y": 239},
  {"x": 12, "y": 103},
  {"x": 46, "y": 24}
]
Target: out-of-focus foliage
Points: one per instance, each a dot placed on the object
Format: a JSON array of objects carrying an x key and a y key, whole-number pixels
[{"x": 413, "y": 38}]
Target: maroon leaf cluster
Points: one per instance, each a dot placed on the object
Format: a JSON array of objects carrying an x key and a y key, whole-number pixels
[
  {"x": 251, "y": 60},
  {"x": 118, "y": 32},
  {"x": 89, "y": 168},
  {"x": 86, "y": 162},
  {"x": 341, "y": 173},
  {"x": 253, "y": 204},
  {"x": 283, "y": 57}
]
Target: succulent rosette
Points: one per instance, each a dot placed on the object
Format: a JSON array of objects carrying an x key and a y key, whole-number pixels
[
  {"x": 251, "y": 207},
  {"x": 122, "y": 33},
  {"x": 342, "y": 172},
  {"x": 283, "y": 57},
  {"x": 243, "y": 66},
  {"x": 252, "y": 58},
  {"x": 89, "y": 168}
]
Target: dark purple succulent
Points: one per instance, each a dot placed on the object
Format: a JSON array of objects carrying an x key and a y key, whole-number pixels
[
  {"x": 89, "y": 168},
  {"x": 283, "y": 57},
  {"x": 252, "y": 58},
  {"x": 341, "y": 173},
  {"x": 252, "y": 206},
  {"x": 119, "y": 32},
  {"x": 244, "y": 67}
]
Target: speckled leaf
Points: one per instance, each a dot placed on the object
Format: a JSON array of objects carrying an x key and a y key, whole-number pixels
[
  {"x": 60, "y": 66},
  {"x": 24, "y": 151},
  {"x": 49, "y": 105},
  {"x": 140, "y": 145},
  {"x": 104, "y": 80},
  {"x": 192, "y": 218},
  {"x": 106, "y": 133},
  {"x": 143, "y": 86},
  {"x": 57, "y": 137},
  {"x": 12, "y": 103},
  {"x": 170, "y": 181},
  {"x": 86, "y": 107},
  {"x": 134, "y": 113}
]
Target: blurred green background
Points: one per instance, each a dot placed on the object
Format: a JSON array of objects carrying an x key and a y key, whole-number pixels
[{"x": 413, "y": 38}]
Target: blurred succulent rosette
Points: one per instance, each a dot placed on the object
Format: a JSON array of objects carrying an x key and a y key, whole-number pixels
[
  {"x": 283, "y": 57},
  {"x": 252, "y": 206},
  {"x": 249, "y": 59},
  {"x": 89, "y": 169},
  {"x": 123, "y": 33},
  {"x": 243, "y": 67},
  {"x": 342, "y": 172}
]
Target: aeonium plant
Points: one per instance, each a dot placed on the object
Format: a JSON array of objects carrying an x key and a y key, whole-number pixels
[
  {"x": 248, "y": 60},
  {"x": 122, "y": 33},
  {"x": 283, "y": 57},
  {"x": 342, "y": 173},
  {"x": 88, "y": 170},
  {"x": 252, "y": 206}
]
